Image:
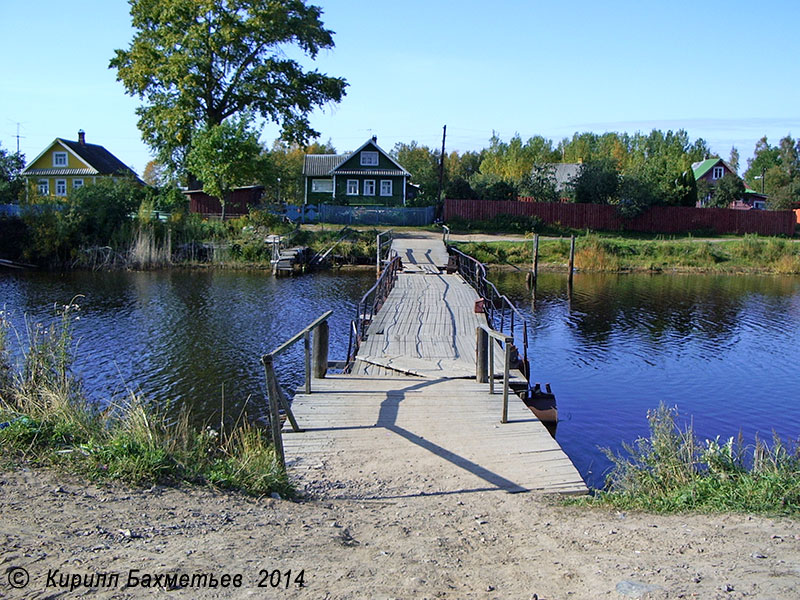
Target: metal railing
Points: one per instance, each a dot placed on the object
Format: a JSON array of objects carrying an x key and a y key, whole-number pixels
[
  {"x": 316, "y": 363},
  {"x": 446, "y": 236},
  {"x": 370, "y": 304},
  {"x": 384, "y": 249},
  {"x": 484, "y": 364},
  {"x": 501, "y": 313}
]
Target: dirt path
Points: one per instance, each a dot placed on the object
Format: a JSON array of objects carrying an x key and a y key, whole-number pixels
[{"x": 470, "y": 545}]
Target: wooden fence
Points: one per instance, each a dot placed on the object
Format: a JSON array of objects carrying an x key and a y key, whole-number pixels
[{"x": 658, "y": 219}]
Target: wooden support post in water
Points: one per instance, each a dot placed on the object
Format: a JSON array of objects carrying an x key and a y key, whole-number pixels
[
  {"x": 535, "y": 259},
  {"x": 571, "y": 256},
  {"x": 320, "y": 356},
  {"x": 274, "y": 417},
  {"x": 481, "y": 355}
]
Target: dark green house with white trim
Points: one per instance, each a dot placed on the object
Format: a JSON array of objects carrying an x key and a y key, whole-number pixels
[{"x": 368, "y": 176}]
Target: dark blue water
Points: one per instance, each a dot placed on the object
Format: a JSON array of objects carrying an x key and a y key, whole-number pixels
[
  {"x": 724, "y": 349},
  {"x": 190, "y": 337}
]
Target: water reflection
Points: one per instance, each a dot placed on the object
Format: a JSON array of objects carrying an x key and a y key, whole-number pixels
[
  {"x": 724, "y": 349},
  {"x": 187, "y": 337}
]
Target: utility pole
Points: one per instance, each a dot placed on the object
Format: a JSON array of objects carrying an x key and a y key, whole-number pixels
[
  {"x": 441, "y": 166},
  {"x": 18, "y": 136}
]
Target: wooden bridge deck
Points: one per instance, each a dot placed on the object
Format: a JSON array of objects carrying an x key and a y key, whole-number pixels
[{"x": 434, "y": 430}]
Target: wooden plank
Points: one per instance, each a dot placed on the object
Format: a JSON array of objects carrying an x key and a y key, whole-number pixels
[
  {"x": 441, "y": 424},
  {"x": 448, "y": 428}
]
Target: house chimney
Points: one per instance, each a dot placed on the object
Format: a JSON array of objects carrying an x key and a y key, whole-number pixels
[
  {"x": 81, "y": 137},
  {"x": 374, "y": 139}
]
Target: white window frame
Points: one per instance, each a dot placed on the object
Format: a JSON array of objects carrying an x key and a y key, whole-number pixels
[
  {"x": 61, "y": 187},
  {"x": 352, "y": 187},
  {"x": 77, "y": 183},
  {"x": 369, "y": 187},
  {"x": 718, "y": 173},
  {"x": 43, "y": 187},
  {"x": 369, "y": 158},
  {"x": 60, "y": 163},
  {"x": 386, "y": 187},
  {"x": 322, "y": 186}
]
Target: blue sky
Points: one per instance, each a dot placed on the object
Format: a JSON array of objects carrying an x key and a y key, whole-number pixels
[{"x": 724, "y": 71}]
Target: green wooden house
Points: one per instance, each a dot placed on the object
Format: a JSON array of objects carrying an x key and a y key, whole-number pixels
[{"x": 368, "y": 176}]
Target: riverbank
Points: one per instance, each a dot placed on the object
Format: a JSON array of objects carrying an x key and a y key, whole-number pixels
[
  {"x": 480, "y": 544},
  {"x": 593, "y": 253}
]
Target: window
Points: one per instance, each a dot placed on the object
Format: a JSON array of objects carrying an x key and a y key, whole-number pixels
[
  {"x": 322, "y": 185},
  {"x": 718, "y": 173},
  {"x": 369, "y": 159},
  {"x": 59, "y": 159},
  {"x": 43, "y": 187},
  {"x": 386, "y": 187},
  {"x": 352, "y": 187},
  {"x": 61, "y": 187},
  {"x": 76, "y": 183},
  {"x": 369, "y": 187}
]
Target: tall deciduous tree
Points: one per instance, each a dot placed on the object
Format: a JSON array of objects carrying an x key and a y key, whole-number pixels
[
  {"x": 11, "y": 183},
  {"x": 776, "y": 170},
  {"x": 423, "y": 164},
  {"x": 225, "y": 156},
  {"x": 196, "y": 63},
  {"x": 733, "y": 161},
  {"x": 597, "y": 182},
  {"x": 729, "y": 189}
]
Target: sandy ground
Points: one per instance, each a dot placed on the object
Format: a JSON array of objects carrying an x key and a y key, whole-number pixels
[{"x": 481, "y": 544}]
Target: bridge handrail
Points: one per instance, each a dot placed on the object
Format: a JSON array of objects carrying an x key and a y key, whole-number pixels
[
  {"x": 474, "y": 272},
  {"x": 316, "y": 364},
  {"x": 446, "y": 236},
  {"x": 386, "y": 243},
  {"x": 485, "y": 361},
  {"x": 367, "y": 309}
]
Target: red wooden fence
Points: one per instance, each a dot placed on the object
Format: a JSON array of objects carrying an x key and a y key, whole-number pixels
[
  {"x": 239, "y": 201},
  {"x": 658, "y": 219}
]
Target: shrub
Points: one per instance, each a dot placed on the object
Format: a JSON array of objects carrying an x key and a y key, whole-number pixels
[
  {"x": 49, "y": 421},
  {"x": 671, "y": 470}
]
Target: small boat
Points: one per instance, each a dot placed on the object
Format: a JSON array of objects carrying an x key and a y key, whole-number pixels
[{"x": 542, "y": 403}]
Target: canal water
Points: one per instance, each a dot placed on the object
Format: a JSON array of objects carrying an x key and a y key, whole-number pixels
[{"x": 724, "y": 349}]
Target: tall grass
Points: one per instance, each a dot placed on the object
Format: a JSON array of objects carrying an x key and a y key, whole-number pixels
[
  {"x": 602, "y": 253},
  {"x": 148, "y": 251},
  {"x": 671, "y": 470},
  {"x": 46, "y": 419}
]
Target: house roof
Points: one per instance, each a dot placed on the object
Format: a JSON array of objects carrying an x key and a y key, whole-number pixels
[
  {"x": 704, "y": 166},
  {"x": 59, "y": 172},
  {"x": 381, "y": 172},
  {"x": 97, "y": 159},
  {"x": 324, "y": 165},
  {"x": 564, "y": 173},
  {"x": 321, "y": 165}
]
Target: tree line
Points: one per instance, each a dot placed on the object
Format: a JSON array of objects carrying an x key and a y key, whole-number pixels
[{"x": 212, "y": 73}]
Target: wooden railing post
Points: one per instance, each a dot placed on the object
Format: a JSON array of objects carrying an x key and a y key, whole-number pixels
[
  {"x": 274, "y": 417},
  {"x": 321, "y": 342},
  {"x": 506, "y": 368},
  {"x": 307, "y": 355},
  {"x": 481, "y": 355},
  {"x": 491, "y": 366}
]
